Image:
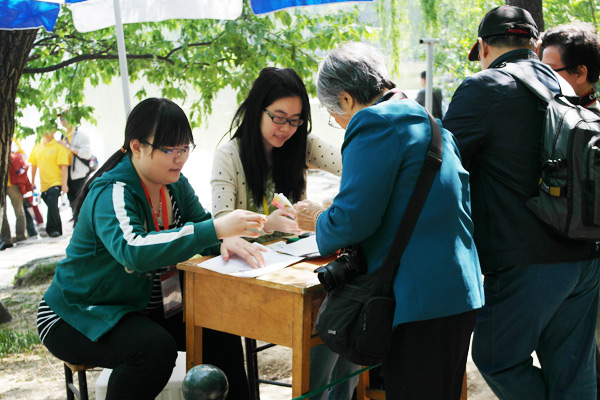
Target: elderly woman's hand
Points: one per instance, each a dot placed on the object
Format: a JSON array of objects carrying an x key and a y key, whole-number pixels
[{"x": 307, "y": 213}]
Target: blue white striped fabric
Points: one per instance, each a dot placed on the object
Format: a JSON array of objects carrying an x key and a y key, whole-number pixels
[
  {"x": 265, "y": 6},
  {"x": 28, "y": 14},
  {"x": 97, "y": 14}
]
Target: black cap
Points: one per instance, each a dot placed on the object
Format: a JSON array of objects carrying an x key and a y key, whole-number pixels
[{"x": 505, "y": 21}]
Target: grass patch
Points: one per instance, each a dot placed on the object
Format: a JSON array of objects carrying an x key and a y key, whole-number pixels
[
  {"x": 39, "y": 273},
  {"x": 13, "y": 341}
]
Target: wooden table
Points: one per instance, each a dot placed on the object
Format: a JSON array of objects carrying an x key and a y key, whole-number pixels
[{"x": 279, "y": 307}]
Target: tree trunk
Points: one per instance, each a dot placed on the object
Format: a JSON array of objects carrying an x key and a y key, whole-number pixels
[
  {"x": 14, "y": 52},
  {"x": 535, "y": 9},
  {"x": 4, "y": 314}
]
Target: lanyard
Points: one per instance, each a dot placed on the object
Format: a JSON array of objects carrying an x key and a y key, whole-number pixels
[
  {"x": 164, "y": 207},
  {"x": 265, "y": 206}
]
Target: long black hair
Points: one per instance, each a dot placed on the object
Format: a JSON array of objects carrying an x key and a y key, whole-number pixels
[
  {"x": 288, "y": 163},
  {"x": 161, "y": 119}
]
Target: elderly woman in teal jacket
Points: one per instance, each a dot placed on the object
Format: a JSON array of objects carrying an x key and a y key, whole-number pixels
[
  {"x": 137, "y": 218},
  {"x": 438, "y": 285}
]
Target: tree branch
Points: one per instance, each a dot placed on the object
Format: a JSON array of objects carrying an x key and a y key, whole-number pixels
[
  {"x": 88, "y": 57},
  {"x": 199, "y": 44}
]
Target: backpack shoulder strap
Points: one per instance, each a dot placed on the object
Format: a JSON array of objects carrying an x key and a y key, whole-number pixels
[{"x": 529, "y": 80}]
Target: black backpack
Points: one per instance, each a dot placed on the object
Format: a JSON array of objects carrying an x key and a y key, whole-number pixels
[{"x": 569, "y": 193}]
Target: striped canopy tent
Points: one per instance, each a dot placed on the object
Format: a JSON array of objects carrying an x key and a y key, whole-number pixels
[{"x": 91, "y": 15}]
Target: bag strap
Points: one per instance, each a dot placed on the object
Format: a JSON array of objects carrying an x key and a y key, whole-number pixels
[
  {"x": 530, "y": 81},
  {"x": 86, "y": 162},
  {"x": 432, "y": 164}
]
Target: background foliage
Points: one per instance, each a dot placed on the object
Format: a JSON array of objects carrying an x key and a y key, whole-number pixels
[
  {"x": 192, "y": 60},
  {"x": 455, "y": 22},
  {"x": 189, "y": 60}
]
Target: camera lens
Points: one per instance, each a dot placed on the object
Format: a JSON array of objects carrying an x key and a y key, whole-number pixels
[{"x": 343, "y": 268}]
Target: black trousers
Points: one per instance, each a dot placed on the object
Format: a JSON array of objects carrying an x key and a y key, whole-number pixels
[
  {"x": 29, "y": 222},
  {"x": 50, "y": 197},
  {"x": 142, "y": 349},
  {"x": 429, "y": 358},
  {"x": 75, "y": 186}
]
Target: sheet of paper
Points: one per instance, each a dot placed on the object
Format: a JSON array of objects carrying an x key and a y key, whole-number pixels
[
  {"x": 236, "y": 266},
  {"x": 306, "y": 247}
]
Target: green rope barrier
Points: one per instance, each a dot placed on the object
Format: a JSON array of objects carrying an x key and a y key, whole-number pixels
[{"x": 332, "y": 384}]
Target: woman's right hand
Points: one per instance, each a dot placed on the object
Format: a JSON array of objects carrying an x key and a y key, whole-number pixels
[
  {"x": 280, "y": 221},
  {"x": 244, "y": 249},
  {"x": 239, "y": 223}
]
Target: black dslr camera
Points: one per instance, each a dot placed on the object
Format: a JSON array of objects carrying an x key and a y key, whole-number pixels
[{"x": 350, "y": 263}]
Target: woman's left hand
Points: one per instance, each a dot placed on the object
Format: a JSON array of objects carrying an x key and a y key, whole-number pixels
[
  {"x": 246, "y": 250},
  {"x": 282, "y": 221},
  {"x": 307, "y": 213}
]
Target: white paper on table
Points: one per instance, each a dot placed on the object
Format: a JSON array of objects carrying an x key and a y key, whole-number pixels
[
  {"x": 300, "y": 248},
  {"x": 236, "y": 266}
]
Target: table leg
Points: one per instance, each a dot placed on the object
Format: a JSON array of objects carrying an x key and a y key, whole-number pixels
[
  {"x": 463, "y": 395},
  {"x": 193, "y": 334},
  {"x": 301, "y": 334}
]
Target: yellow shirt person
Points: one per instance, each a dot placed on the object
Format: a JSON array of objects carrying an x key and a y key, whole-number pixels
[
  {"x": 53, "y": 161},
  {"x": 50, "y": 157}
]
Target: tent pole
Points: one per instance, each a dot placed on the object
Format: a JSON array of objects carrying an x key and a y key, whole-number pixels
[
  {"x": 429, "y": 73},
  {"x": 122, "y": 57}
]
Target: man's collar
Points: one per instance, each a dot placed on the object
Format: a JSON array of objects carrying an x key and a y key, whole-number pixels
[{"x": 513, "y": 55}]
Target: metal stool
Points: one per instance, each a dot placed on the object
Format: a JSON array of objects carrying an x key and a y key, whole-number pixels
[
  {"x": 72, "y": 390},
  {"x": 252, "y": 368}
]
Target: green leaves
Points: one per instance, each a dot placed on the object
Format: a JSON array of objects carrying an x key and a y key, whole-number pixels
[{"x": 190, "y": 61}]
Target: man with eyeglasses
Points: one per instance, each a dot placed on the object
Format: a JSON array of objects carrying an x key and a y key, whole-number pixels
[{"x": 573, "y": 51}]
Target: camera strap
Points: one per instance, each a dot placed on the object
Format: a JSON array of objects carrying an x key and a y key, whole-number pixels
[{"x": 433, "y": 162}]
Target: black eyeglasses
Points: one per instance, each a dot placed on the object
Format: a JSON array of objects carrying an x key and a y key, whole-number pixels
[
  {"x": 560, "y": 69},
  {"x": 175, "y": 152},
  {"x": 282, "y": 120}
]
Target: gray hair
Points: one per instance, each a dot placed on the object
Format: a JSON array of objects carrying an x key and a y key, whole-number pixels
[{"x": 355, "y": 68}]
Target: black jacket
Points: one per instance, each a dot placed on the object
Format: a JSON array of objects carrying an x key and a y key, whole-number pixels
[
  {"x": 436, "y": 101},
  {"x": 498, "y": 123}
]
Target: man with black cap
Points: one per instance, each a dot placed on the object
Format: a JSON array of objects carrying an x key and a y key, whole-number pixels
[{"x": 541, "y": 289}]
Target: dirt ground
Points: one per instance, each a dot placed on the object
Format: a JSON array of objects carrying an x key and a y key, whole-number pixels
[{"x": 38, "y": 375}]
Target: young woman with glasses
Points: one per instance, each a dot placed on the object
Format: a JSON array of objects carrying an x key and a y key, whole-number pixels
[
  {"x": 136, "y": 218},
  {"x": 270, "y": 152}
]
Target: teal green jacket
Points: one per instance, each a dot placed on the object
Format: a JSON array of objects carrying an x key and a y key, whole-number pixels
[{"x": 115, "y": 250}]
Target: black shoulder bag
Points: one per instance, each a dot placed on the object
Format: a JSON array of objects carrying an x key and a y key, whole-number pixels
[{"x": 356, "y": 317}]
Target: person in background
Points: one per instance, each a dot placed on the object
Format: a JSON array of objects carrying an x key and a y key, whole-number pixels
[
  {"x": 19, "y": 177},
  {"x": 16, "y": 168},
  {"x": 385, "y": 146},
  {"x": 77, "y": 142},
  {"x": 52, "y": 159},
  {"x": 541, "y": 288},
  {"x": 573, "y": 51},
  {"x": 270, "y": 152},
  {"x": 436, "y": 99},
  {"x": 136, "y": 219}
]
